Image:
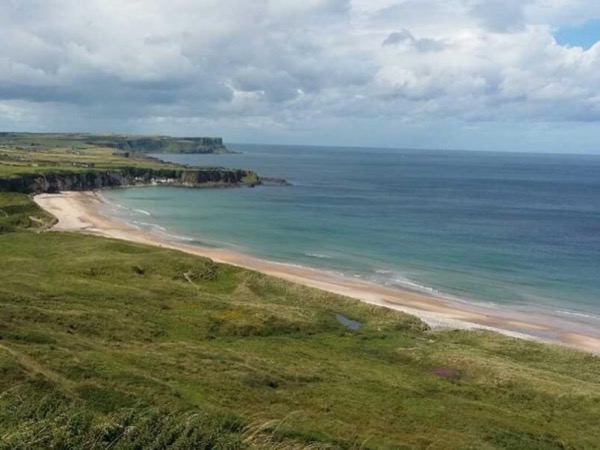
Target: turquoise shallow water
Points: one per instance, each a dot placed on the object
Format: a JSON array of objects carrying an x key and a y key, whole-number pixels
[{"x": 515, "y": 229}]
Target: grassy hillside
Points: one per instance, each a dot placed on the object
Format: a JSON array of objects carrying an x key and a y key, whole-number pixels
[
  {"x": 106, "y": 344},
  {"x": 18, "y": 212}
]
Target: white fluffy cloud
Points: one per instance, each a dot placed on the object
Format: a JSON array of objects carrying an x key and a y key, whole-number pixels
[{"x": 196, "y": 66}]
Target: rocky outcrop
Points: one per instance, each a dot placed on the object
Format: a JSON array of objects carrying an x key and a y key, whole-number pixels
[
  {"x": 198, "y": 177},
  {"x": 270, "y": 181},
  {"x": 127, "y": 176}
]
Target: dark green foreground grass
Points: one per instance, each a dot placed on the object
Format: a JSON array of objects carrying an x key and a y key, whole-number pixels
[{"x": 106, "y": 344}]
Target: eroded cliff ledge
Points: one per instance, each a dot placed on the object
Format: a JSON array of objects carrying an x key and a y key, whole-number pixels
[{"x": 125, "y": 177}]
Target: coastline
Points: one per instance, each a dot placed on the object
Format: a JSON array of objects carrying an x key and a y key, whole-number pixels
[{"x": 80, "y": 212}]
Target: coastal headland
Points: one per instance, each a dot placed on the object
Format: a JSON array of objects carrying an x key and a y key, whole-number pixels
[
  {"x": 122, "y": 142},
  {"x": 39, "y": 163}
]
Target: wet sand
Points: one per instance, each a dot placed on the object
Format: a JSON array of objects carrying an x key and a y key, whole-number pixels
[{"x": 82, "y": 212}]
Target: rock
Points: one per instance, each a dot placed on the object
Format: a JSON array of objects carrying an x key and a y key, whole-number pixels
[
  {"x": 127, "y": 176},
  {"x": 269, "y": 181}
]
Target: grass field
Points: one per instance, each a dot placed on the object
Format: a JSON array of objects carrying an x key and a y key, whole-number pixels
[
  {"x": 107, "y": 344},
  {"x": 18, "y": 160},
  {"x": 40, "y": 152}
]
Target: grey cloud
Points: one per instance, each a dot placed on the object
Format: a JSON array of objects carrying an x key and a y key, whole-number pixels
[
  {"x": 251, "y": 55},
  {"x": 405, "y": 36},
  {"x": 294, "y": 63}
]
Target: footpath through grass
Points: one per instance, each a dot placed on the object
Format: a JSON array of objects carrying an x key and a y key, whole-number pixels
[{"x": 106, "y": 344}]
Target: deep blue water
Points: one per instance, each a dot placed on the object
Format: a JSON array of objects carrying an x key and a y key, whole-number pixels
[{"x": 519, "y": 229}]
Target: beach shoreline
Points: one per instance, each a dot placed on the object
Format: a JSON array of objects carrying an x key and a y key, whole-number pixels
[{"x": 82, "y": 212}]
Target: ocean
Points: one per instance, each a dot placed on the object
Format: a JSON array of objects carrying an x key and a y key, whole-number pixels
[{"x": 494, "y": 228}]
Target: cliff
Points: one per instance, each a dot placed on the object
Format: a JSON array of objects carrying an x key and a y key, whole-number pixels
[
  {"x": 161, "y": 144},
  {"x": 126, "y": 143},
  {"x": 127, "y": 176}
]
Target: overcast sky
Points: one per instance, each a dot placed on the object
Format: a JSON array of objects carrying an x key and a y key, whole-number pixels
[{"x": 473, "y": 74}]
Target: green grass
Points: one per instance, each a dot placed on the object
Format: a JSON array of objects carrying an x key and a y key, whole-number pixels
[
  {"x": 18, "y": 148},
  {"x": 106, "y": 344},
  {"x": 31, "y": 160},
  {"x": 17, "y": 211}
]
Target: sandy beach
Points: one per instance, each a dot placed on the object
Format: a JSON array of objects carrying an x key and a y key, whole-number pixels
[{"x": 81, "y": 212}]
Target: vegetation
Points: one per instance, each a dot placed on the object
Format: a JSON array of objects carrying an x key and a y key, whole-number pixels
[
  {"x": 17, "y": 211},
  {"x": 40, "y": 163},
  {"x": 14, "y": 161},
  {"x": 106, "y": 344},
  {"x": 127, "y": 143}
]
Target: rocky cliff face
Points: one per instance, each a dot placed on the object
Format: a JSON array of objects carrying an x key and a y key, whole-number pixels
[
  {"x": 198, "y": 177},
  {"x": 129, "y": 176},
  {"x": 38, "y": 183}
]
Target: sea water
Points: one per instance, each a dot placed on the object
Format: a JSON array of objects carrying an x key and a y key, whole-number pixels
[{"x": 503, "y": 228}]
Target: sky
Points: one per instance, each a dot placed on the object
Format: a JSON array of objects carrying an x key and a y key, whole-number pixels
[{"x": 513, "y": 75}]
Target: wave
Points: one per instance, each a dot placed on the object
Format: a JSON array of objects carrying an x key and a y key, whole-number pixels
[
  {"x": 118, "y": 206},
  {"x": 317, "y": 255},
  {"x": 577, "y": 314},
  {"x": 149, "y": 225},
  {"x": 406, "y": 282},
  {"x": 391, "y": 278},
  {"x": 179, "y": 237}
]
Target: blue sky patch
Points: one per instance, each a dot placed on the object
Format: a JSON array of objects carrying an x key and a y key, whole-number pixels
[{"x": 585, "y": 35}]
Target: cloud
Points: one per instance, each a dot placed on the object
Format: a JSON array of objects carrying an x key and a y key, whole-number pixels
[
  {"x": 291, "y": 64},
  {"x": 405, "y": 37},
  {"x": 500, "y": 16}
]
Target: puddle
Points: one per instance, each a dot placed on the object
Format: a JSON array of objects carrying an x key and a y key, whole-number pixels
[{"x": 348, "y": 323}]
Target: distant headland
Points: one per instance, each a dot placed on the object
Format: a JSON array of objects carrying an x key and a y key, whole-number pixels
[
  {"x": 54, "y": 162},
  {"x": 123, "y": 142}
]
